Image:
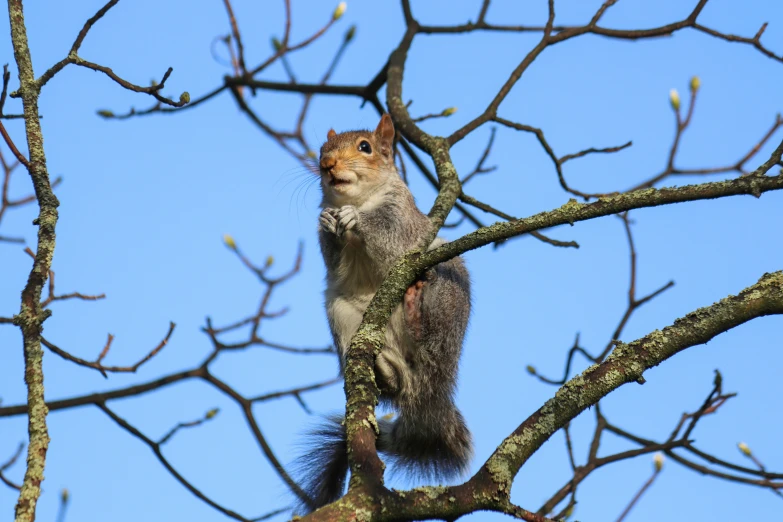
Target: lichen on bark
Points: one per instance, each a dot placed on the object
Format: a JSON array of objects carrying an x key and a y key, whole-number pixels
[{"x": 31, "y": 314}]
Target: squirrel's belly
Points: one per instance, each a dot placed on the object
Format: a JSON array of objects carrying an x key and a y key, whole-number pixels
[
  {"x": 345, "y": 315},
  {"x": 357, "y": 274}
]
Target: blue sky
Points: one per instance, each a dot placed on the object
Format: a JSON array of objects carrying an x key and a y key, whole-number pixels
[{"x": 145, "y": 203}]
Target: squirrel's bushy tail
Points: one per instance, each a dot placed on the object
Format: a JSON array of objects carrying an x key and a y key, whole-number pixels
[
  {"x": 324, "y": 467},
  {"x": 429, "y": 442},
  {"x": 434, "y": 443}
]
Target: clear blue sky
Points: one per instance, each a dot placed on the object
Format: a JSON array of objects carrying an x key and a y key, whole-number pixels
[{"x": 145, "y": 203}]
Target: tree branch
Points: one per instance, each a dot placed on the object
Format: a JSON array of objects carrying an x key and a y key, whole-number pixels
[
  {"x": 98, "y": 363},
  {"x": 489, "y": 488},
  {"x": 627, "y": 364},
  {"x": 32, "y": 314},
  {"x": 156, "y": 449},
  {"x": 360, "y": 386}
]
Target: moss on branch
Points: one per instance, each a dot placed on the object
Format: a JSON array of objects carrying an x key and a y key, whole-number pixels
[{"x": 32, "y": 315}]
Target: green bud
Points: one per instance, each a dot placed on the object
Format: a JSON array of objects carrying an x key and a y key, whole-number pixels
[
  {"x": 184, "y": 97},
  {"x": 229, "y": 242},
  {"x": 106, "y": 114},
  {"x": 658, "y": 461},
  {"x": 674, "y": 99},
  {"x": 350, "y": 33},
  {"x": 449, "y": 111},
  {"x": 211, "y": 413},
  {"x": 695, "y": 84},
  {"x": 339, "y": 11}
]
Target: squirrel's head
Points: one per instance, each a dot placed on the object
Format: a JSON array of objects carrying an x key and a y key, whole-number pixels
[{"x": 355, "y": 163}]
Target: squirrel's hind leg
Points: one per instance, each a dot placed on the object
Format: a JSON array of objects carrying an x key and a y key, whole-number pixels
[
  {"x": 391, "y": 371},
  {"x": 412, "y": 302}
]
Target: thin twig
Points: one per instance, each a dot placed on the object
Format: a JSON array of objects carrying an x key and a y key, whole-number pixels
[
  {"x": 8, "y": 141},
  {"x": 99, "y": 366},
  {"x": 155, "y": 447},
  {"x": 10, "y": 462},
  {"x": 638, "y": 495}
]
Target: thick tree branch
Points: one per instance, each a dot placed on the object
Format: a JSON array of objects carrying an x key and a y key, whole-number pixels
[
  {"x": 627, "y": 361},
  {"x": 572, "y": 212},
  {"x": 626, "y": 364},
  {"x": 94, "y": 398},
  {"x": 32, "y": 314},
  {"x": 361, "y": 390},
  {"x": 490, "y": 488}
]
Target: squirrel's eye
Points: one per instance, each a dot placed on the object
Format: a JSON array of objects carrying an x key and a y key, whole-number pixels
[{"x": 364, "y": 146}]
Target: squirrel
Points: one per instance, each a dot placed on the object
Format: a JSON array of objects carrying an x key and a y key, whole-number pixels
[{"x": 369, "y": 220}]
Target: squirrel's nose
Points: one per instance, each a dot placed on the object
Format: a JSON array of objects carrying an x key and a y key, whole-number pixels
[{"x": 328, "y": 163}]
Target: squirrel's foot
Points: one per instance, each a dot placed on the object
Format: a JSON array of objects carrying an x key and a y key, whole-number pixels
[
  {"x": 347, "y": 217},
  {"x": 412, "y": 308},
  {"x": 328, "y": 221}
]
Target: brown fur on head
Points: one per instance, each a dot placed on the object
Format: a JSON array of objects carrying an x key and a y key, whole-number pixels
[{"x": 355, "y": 163}]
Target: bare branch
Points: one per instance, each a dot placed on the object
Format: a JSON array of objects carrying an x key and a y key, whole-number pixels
[
  {"x": 704, "y": 470},
  {"x": 31, "y": 314},
  {"x": 99, "y": 366},
  {"x": 159, "y": 108},
  {"x": 295, "y": 392},
  {"x": 237, "y": 38},
  {"x": 247, "y": 409},
  {"x": 74, "y": 58},
  {"x": 763, "y": 298},
  {"x": 155, "y": 447},
  {"x": 628, "y": 360},
  {"x": 49, "y": 74},
  {"x": 52, "y": 297},
  {"x": 480, "y": 168},
  {"x": 95, "y": 398},
  {"x": 192, "y": 424},
  {"x": 639, "y": 494},
  {"x": 592, "y": 150},
  {"x": 569, "y": 359},
  {"x": 572, "y": 212},
  {"x": 755, "y": 41},
  {"x": 8, "y": 141},
  {"x": 10, "y": 462}
]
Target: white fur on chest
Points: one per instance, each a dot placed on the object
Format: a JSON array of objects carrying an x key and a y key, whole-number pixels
[
  {"x": 350, "y": 290},
  {"x": 345, "y": 315},
  {"x": 352, "y": 287}
]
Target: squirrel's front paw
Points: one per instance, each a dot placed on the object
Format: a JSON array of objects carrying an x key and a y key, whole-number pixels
[
  {"x": 328, "y": 220},
  {"x": 347, "y": 218}
]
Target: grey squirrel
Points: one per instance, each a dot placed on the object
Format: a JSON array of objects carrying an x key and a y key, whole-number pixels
[{"x": 369, "y": 220}]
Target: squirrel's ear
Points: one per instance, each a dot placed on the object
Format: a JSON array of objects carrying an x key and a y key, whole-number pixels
[
  {"x": 385, "y": 134},
  {"x": 331, "y": 134}
]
